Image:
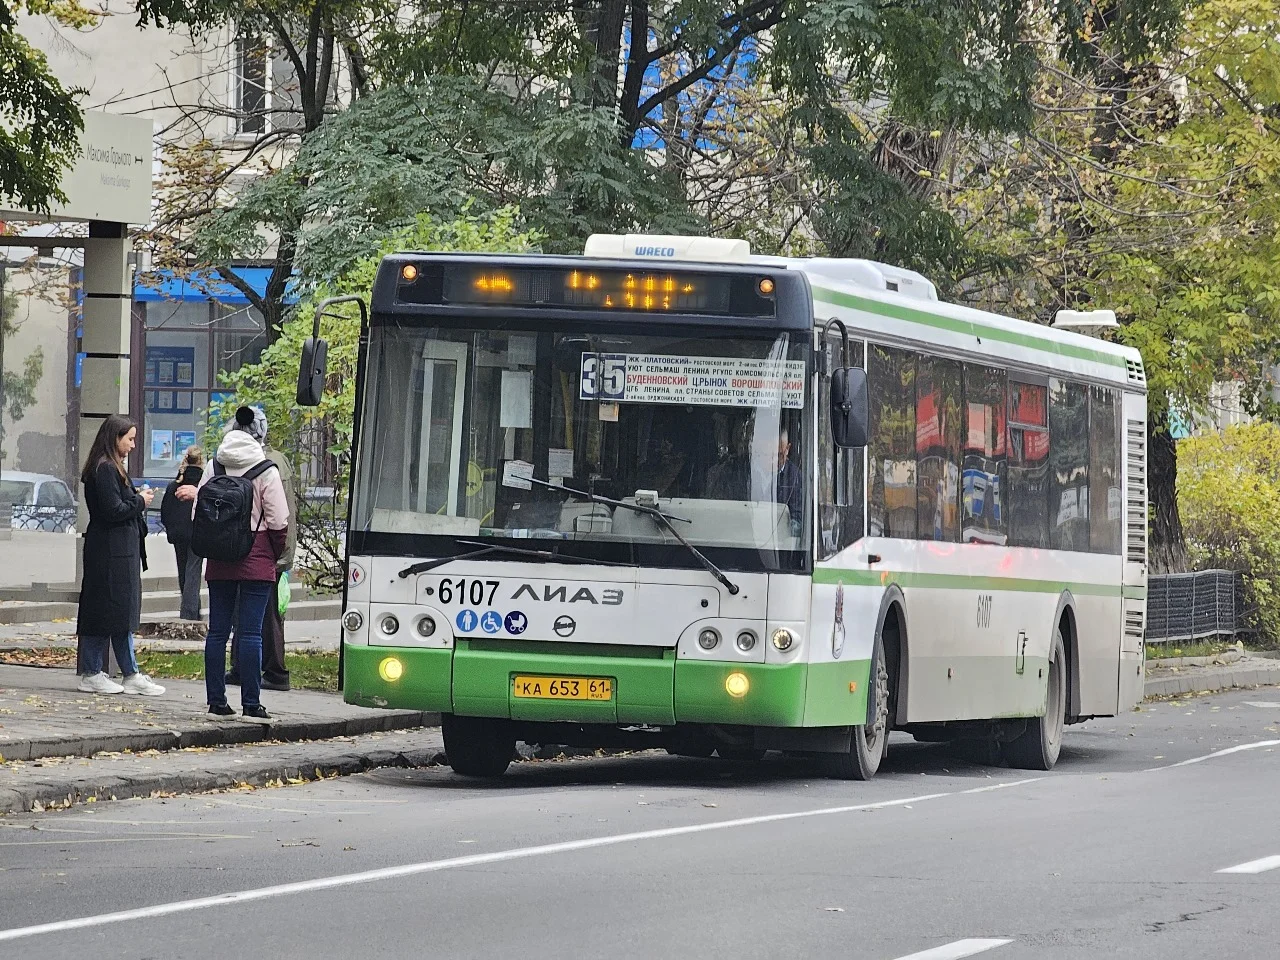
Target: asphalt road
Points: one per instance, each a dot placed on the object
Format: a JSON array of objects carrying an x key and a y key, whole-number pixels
[{"x": 1116, "y": 853}]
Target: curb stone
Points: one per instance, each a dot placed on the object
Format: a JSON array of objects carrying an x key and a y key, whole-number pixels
[
  {"x": 215, "y": 734},
  {"x": 51, "y": 794},
  {"x": 1248, "y": 673}
]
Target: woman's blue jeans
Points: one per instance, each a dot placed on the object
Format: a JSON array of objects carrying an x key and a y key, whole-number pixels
[
  {"x": 94, "y": 653},
  {"x": 247, "y": 618}
]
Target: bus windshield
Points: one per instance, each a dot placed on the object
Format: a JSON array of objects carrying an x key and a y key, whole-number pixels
[{"x": 489, "y": 433}]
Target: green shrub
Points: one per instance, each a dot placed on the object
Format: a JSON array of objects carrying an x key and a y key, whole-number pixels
[{"x": 1229, "y": 499}]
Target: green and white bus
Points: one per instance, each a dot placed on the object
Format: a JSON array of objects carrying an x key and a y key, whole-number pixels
[{"x": 672, "y": 494}]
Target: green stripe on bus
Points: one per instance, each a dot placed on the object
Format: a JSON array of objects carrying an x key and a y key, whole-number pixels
[
  {"x": 959, "y": 581},
  {"x": 970, "y": 327}
]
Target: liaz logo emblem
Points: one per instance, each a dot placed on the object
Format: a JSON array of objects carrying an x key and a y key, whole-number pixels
[
  {"x": 837, "y": 627},
  {"x": 607, "y": 598},
  {"x": 356, "y": 574}
]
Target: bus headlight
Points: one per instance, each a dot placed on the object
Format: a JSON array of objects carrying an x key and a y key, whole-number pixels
[
  {"x": 746, "y": 641},
  {"x": 427, "y": 626},
  {"x": 737, "y": 685},
  {"x": 353, "y": 620},
  {"x": 783, "y": 639},
  {"x": 389, "y": 624},
  {"x": 709, "y": 638}
]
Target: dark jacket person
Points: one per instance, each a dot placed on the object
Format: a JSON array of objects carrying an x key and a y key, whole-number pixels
[
  {"x": 114, "y": 558},
  {"x": 175, "y": 514}
]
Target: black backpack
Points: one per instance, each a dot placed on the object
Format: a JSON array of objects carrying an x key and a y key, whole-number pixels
[{"x": 222, "y": 529}]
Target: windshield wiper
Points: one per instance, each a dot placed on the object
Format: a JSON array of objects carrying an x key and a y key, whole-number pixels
[
  {"x": 487, "y": 548},
  {"x": 426, "y": 565},
  {"x": 666, "y": 519}
]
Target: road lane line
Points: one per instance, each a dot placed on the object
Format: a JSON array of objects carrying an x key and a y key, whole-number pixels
[
  {"x": 957, "y": 950},
  {"x": 454, "y": 863},
  {"x": 1216, "y": 754},
  {"x": 1253, "y": 866}
]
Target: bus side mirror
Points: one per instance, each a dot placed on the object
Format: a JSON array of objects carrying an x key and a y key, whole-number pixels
[
  {"x": 849, "y": 411},
  {"x": 311, "y": 371},
  {"x": 314, "y": 364}
]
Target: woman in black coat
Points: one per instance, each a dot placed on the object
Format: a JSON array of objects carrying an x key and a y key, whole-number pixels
[{"x": 114, "y": 558}]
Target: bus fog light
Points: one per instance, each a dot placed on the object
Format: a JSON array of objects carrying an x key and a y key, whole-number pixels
[
  {"x": 427, "y": 626},
  {"x": 709, "y": 638},
  {"x": 783, "y": 638},
  {"x": 389, "y": 625},
  {"x": 352, "y": 620},
  {"x": 391, "y": 669},
  {"x": 746, "y": 641},
  {"x": 737, "y": 685}
]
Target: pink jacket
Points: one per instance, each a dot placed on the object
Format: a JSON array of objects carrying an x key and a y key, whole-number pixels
[{"x": 238, "y": 453}]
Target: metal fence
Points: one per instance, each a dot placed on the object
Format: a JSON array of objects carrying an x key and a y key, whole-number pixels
[
  {"x": 48, "y": 519},
  {"x": 1194, "y": 606}
]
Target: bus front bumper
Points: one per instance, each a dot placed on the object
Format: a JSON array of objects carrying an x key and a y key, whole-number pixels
[{"x": 649, "y": 687}]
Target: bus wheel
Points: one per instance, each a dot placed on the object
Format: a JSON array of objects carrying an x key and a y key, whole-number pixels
[
  {"x": 477, "y": 746},
  {"x": 1038, "y": 747},
  {"x": 869, "y": 741}
]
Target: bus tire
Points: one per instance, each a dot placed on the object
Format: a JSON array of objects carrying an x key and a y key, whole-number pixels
[
  {"x": 1040, "y": 744},
  {"x": 869, "y": 742},
  {"x": 477, "y": 746}
]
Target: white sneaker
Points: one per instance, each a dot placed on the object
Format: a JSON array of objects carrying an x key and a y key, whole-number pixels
[
  {"x": 99, "y": 683},
  {"x": 140, "y": 685}
]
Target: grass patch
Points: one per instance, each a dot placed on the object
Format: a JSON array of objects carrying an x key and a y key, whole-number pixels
[
  {"x": 307, "y": 671},
  {"x": 1163, "y": 651}
]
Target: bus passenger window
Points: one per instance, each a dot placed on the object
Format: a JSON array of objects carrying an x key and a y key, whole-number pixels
[
  {"x": 1105, "y": 504},
  {"x": 983, "y": 474},
  {"x": 938, "y": 448},
  {"x": 1069, "y": 465},
  {"x": 1028, "y": 493},
  {"x": 891, "y": 451}
]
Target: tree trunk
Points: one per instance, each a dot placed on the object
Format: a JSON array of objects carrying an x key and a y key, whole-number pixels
[{"x": 1168, "y": 548}]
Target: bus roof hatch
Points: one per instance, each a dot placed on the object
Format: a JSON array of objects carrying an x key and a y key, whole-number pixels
[{"x": 642, "y": 246}]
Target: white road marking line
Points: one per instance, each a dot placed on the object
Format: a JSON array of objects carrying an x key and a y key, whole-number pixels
[
  {"x": 1264, "y": 704},
  {"x": 1253, "y": 866},
  {"x": 1219, "y": 753},
  {"x": 957, "y": 950},
  {"x": 454, "y": 863}
]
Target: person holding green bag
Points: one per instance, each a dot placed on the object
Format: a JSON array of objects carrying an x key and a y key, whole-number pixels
[{"x": 275, "y": 675}]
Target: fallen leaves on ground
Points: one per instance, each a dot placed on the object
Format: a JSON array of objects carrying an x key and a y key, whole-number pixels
[{"x": 40, "y": 657}]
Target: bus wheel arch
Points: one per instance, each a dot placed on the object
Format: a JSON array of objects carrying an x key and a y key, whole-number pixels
[
  {"x": 869, "y": 741},
  {"x": 1064, "y": 619},
  {"x": 891, "y": 626}
]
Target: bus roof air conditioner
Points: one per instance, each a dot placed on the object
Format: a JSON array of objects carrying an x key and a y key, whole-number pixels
[{"x": 646, "y": 246}]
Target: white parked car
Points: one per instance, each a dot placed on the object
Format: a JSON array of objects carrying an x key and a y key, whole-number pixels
[{"x": 40, "y": 502}]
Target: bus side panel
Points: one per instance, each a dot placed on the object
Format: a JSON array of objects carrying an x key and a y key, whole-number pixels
[
  {"x": 841, "y": 639},
  {"x": 1098, "y": 629}
]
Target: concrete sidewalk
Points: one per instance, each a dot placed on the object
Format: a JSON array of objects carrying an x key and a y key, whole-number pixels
[
  {"x": 42, "y": 714},
  {"x": 1210, "y": 674}
]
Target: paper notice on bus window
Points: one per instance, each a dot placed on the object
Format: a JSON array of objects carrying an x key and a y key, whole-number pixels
[
  {"x": 516, "y": 406},
  {"x": 518, "y": 474},
  {"x": 705, "y": 381},
  {"x": 559, "y": 462}
]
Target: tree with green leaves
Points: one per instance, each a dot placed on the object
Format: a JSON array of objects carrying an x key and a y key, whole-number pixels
[{"x": 590, "y": 114}]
